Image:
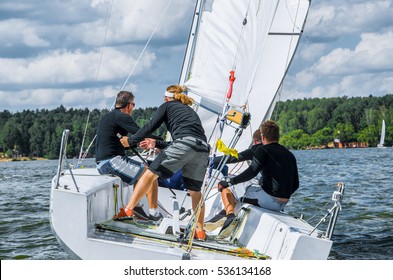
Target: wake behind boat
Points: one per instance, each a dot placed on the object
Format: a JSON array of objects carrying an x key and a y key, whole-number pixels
[{"x": 252, "y": 42}]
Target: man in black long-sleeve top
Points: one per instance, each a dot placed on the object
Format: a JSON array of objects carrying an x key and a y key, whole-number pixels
[
  {"x": 111, "y": 157},
  {"x": 279, "y": 176}
]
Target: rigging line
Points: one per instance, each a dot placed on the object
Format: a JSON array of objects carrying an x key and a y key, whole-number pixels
[
  {"x": 144, "y": 48},
  {"x": 244, "y": 23},
  {"x": 263, "y": 49},
  {"x": 96, "y": 79},
  {"x": 294, "y": 26},
  {"x": 140, "y": 56},
  {"x": 225, "y": 109}
]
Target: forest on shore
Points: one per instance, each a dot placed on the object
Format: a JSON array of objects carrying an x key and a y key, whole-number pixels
[
  {"x": 305, "y": 123},
  {"x": 38, "y": 133},
  {"x": 316, "y": 122}
]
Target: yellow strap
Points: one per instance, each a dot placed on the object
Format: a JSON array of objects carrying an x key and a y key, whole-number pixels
[{"x": 224, "y": 149}]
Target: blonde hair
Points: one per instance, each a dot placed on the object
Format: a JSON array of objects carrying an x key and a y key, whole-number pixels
[{"x": 178, "y": 94}]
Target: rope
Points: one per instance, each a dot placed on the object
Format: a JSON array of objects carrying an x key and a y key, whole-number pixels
[
  {"x": 144, "y": 48},
  {"x": 208, "y": 187},
  {"x": 288, "y": 53},
  {"x": 81, "y": 157},
  {"x": 231, "y": 80}
]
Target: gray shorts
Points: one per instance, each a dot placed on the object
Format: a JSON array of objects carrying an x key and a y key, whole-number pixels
[
  {"x": 127, "y": 169},
  {"x": 264, "y": 200},
  {"x": 188, "y": 154}
]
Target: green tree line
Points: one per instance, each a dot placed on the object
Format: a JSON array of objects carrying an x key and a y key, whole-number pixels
[
  {"x": 304, "y": 123},
  {"x": 38, "y": 133},
  {"x": 316, "y": 122}
]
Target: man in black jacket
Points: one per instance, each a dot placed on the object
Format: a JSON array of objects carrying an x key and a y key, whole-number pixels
[
  {"x": 279, "y": 176},
  {"x": 111, "y": 156}
]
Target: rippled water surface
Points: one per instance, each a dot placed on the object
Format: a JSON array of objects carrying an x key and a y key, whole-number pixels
[{"x": 364, "y": 229}]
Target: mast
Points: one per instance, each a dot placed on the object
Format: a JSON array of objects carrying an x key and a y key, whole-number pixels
[{"x": 191, "y": 43}]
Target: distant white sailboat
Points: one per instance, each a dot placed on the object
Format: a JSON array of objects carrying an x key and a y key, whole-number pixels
[{"x": 382, "y": 140}]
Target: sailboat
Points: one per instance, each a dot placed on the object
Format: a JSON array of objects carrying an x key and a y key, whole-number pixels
[
  {"x": 237, "y": 56},
  {"x": 382, "y": 139}
]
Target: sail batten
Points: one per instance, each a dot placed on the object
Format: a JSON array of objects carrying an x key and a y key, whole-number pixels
[{"x": 285, "y": 34}]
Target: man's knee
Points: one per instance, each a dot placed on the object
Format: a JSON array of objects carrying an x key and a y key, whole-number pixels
[
  {"x": 226, "y": 192},
  {"x": 150, "y": 175}
]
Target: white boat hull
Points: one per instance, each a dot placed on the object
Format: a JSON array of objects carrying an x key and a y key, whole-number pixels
[{"x": 74, "y": 217}]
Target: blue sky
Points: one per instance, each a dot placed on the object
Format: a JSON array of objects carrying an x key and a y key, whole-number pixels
[{"x": 51, "y": 50}]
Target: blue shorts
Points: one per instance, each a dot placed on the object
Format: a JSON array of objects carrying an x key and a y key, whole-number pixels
[{"x": 127, "y": 169}]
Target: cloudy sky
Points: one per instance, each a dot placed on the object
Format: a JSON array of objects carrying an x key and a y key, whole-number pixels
[{"x": 62, "y": 53}]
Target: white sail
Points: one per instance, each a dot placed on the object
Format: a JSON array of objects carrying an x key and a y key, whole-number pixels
[
  {"x": 256, "y": 39},
  {"x": 382, "y": 139}
]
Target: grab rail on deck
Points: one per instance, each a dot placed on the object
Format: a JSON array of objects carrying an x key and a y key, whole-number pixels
[{"x": 63, "y": 157}]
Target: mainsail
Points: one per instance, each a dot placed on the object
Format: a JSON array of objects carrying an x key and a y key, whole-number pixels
[{"x": 256, "y": 40}]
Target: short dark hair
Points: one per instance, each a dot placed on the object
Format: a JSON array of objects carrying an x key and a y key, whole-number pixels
[
  {"x": 270, "y": 130},
  {"x": 256, "y": 136},
  {"x": 124, "y": 98}
]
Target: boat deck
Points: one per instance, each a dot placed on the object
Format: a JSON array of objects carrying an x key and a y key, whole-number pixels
[{"x": 127, "y": 230}]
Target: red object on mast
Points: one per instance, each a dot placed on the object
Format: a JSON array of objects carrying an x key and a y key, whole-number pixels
[{"x": 231, "y": 80}]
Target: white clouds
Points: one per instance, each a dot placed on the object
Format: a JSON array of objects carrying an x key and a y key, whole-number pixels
[
  {"x": 133, "y": 21},
  {"x": 51, "y": 49},
  {"x": 103, "y": 98},
  {"x": 374, "y": 43},
  {"x": 349, "y": 52},
  {"x": 312, "y": 52},
  {"x": 65, "y": 67},
  {"x": 338, "y": 18},
  {"x": 386, "y": 84},
  {"x": 374, "y": 53},
  {"x": 27, "y": 34},
  {"x": 62, "y": 51}
]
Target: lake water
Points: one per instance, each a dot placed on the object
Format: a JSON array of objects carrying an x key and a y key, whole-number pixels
[{"x": 364, "y": 229}]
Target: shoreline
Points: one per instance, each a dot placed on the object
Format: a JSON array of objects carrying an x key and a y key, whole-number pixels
[{"x": 21, "y": 159}]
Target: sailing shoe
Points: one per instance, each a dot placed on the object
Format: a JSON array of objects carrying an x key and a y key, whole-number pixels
[
  {"x": 228, "y": 227},
  {"x": 216, "y": 222},
  {"x": 157, "y": 218},
  {"x": 200, "y": 235},
  {"x": 124, "y": 214},
  {"x": 140, "y": 213}
]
